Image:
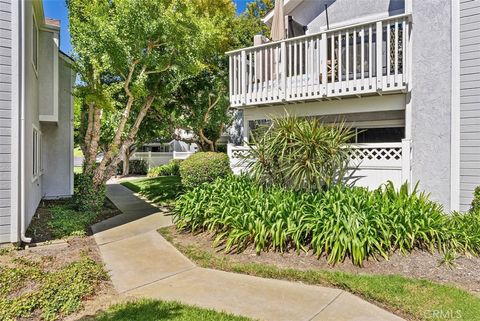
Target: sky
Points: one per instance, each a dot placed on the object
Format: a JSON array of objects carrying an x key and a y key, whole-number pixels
[{"x": 56, "y": 9}]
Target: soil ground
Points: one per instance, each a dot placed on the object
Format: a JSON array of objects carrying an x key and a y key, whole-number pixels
[
  {"x": 54, "y": 254},
  {"x": 418, "y": 264}
]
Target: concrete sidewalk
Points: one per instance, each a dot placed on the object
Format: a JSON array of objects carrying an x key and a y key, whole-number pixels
[{"x": 143, "y": 264}]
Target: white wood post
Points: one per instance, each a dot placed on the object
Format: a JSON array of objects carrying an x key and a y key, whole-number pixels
[
  {"x": 231, "y": 75},
  {"x": 406, "y": 159},
  {"x": 379, "y": 56},
  {"x": 244, "y": 77},
  {"x": 283, "y": 58},
  {"x": 323, "y": 64}
]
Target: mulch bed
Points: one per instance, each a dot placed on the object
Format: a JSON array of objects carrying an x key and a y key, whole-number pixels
[{"x": 418, "y": 264}]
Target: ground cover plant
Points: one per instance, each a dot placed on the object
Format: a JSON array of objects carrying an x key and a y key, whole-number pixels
[
  {"x": 161, "y": 190},
  {"x": 340, "y": 222},
  {"x": 204, "y": 167},
  {"x": 58, "y": 219},
  {"x": 32, "y": 289},
  {"x": 411, "y": 298},
  {"x": 154, "y": 310}
]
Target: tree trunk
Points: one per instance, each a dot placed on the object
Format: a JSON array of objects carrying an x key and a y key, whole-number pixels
[{"x": 126, "y": 162}]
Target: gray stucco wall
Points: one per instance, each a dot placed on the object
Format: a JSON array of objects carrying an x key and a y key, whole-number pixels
[
  {"x": 469, "y": 101},
  {"x": 431, "y": 97},
  {"x": 33, "y": 187},
  {"x": 5, "y": 118},
  {"x": 312, "y": 13},
  {"x": 57, "y": 158},
  {"x": 45, "y": 73}
]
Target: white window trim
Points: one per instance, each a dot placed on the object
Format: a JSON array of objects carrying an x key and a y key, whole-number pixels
[
  {"x": 38, "y": 154},
  {"x": 35, "y": 67}
]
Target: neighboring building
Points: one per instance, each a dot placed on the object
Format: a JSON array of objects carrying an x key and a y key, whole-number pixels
[
  {"x": 36, "y": 115},
  {"x": 405, "y": 74}
]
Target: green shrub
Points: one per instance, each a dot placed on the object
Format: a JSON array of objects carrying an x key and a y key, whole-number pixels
[
  {"x": 87, "y": 197},
  {"x": 301, "y": 154},
  {"x": 204, "y": 167},
  {"x": 341, "y": 222},
  {"x": 476, "y": 200},
  {"x": 172, "y": 168}
]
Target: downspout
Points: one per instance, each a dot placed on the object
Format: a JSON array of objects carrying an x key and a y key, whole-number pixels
[{"x": 21, "y": 144}]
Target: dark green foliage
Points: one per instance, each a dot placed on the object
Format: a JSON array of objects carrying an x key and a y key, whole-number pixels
[
  {"x": 203, "y": 168},
  {"x": 87, "y": 197},
  {"x": 153, "y": 310},
  {"x": 138, "y": 167},
  {"x": 172, "y": 168},
  {"x": 301, "y": 154},
  {"x": 55, "y": 293},
  {"x": 341, "y": 222},
  {"x": 476, "y": 200}
]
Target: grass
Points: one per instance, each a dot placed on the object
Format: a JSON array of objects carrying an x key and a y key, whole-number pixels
[
  {"x": 31, "y": 289},
  {"x": 78, "y": 170},
  {"x": 153, "y": 310},
  {"x": 161, "y": 190},
  {"x": 413, "y": 298}
]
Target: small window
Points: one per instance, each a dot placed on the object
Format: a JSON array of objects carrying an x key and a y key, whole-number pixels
[
  {"x": 35, "y": 44},
  {"x": 380, "y": 135},
  {"x": 36, "y": 153}
]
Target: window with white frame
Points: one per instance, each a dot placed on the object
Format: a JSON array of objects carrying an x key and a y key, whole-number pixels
[
  {"x": 35, "y": 44},
  {"x": 36, "y": 153}
]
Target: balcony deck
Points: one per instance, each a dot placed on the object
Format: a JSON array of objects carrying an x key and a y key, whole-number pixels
[{"x": 362, "y": 59}]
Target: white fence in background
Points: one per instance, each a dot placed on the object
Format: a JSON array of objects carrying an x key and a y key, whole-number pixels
[
  {"x": 374, "y": 164},
  {"x": 354, "y": 60},
  {"x": 155, "y": 159}
]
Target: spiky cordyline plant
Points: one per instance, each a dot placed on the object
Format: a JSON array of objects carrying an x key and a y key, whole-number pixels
[{"x": 302, "y": 154}]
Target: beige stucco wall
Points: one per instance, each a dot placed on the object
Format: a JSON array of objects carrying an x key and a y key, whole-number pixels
[{"x": 58, "y": 158}]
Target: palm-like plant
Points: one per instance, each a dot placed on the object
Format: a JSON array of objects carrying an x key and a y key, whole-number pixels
[{"x": 301, "y": 154}]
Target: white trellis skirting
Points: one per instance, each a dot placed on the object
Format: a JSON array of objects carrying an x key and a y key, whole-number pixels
[{"x": 375, "y": 163}]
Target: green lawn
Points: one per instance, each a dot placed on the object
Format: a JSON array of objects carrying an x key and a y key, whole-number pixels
[
  {"x": 160, "y": 190},
  {"x": 152, "y": 310},
  {"x": 412, "y": 298}
]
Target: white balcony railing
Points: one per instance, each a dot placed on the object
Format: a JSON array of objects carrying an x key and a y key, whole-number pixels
[
  {"x": 350, "y": 61},
  {"x": 372, "y": 164}
]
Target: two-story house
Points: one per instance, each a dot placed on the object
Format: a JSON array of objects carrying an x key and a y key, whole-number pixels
[
  {"x": 36, "y": 115},
  {"x": 405, "y": 74}
]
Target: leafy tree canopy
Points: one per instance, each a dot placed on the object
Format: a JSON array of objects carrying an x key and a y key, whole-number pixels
[{"x": 131, "y": 56}]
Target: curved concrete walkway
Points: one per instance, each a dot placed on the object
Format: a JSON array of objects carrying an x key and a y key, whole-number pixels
[{"x": 143, "y": 264}]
